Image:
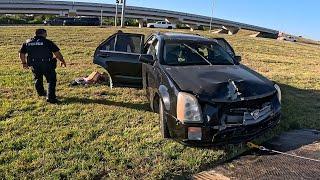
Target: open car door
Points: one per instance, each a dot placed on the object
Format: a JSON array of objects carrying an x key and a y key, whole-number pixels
[
  {"x": 119, "y": 55},
  {"x": 226, "y": 46}
]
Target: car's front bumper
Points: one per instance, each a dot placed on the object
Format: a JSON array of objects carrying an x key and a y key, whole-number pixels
[{"x": 231, "y": 135}]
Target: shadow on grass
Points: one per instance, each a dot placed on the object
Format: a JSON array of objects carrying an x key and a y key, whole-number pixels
[
  {"x": 300, "y": 110},
  {"x": 73, "y": 100}
]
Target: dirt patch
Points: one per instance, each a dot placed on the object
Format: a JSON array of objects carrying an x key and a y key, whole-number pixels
[{"x": 5, "y": 93}]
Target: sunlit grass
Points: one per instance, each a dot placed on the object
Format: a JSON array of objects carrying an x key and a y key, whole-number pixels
[{"x": 98, "y": 132}]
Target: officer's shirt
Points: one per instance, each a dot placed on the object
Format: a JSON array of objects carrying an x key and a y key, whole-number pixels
[{"x": 39, "y": 48}]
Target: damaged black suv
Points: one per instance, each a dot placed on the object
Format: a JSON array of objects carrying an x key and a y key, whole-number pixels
[{"x": 201, "y": 91}]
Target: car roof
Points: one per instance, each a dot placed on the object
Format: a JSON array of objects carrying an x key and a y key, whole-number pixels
[{"x": 182, "y": 36}]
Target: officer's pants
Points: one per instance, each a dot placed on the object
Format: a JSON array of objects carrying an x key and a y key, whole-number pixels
[{"x": 44, "y": 69}]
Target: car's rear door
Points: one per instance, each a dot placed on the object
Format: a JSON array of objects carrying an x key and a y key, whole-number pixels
[
  {"x": 226, "y": 46},
  {"x": 119, "y": 55}
]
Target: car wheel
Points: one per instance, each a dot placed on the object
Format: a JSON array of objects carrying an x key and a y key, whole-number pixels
[
  {"x": 152, "y": 26},
  {"x": 163, "y": 121},
  {"x": 170, "y": 27}
]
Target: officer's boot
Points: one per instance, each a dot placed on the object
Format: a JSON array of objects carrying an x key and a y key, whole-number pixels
[
  {"x": 39, "y": 86},
  {"x": 52, "y": 81}
]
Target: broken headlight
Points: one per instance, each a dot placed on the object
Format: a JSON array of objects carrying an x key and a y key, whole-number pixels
[
  {"x": 188, "y": 108},
  {"x": 278, "y": 92}
]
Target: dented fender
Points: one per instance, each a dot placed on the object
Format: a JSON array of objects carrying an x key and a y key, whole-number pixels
[{"x": 164, "y": 95}]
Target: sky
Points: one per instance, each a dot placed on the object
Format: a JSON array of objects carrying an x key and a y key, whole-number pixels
[{"x": 297, "y": 17}]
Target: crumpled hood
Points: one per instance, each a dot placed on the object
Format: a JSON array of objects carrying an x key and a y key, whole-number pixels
[{"x": 217, "y": 82}]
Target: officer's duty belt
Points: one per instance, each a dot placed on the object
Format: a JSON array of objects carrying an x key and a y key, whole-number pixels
[{"x": 42, "y": 60}]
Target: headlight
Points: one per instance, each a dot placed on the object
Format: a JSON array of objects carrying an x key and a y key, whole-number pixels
[
  {"x": 188, "y": 108},
  {"x": 278, "y": 92}
]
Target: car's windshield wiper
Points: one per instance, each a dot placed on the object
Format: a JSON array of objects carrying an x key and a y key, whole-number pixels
[{"x": 195, "y": 51}]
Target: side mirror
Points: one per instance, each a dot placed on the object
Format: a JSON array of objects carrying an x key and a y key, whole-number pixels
[
  {"x": 146, "y": 58},
  {"x": 238, "y": 58}
]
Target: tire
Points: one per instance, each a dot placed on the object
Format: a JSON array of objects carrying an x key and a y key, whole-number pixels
[
  {"x": 170, "y": 27},
  {"x": 163, "y": 122},
  {"x": 152, "y": 26}
]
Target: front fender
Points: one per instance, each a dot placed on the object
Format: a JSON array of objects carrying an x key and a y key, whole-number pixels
[{"x": 165, "y": 96}]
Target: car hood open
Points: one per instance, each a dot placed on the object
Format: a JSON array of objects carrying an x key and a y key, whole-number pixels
[{"x": 221, "y": 83}]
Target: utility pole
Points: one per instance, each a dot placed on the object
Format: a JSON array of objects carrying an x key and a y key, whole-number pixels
[
  {"x": 211, "y": 15},
  {"x": 116, "y": 16},
  {"x": 123, "y": 13}
]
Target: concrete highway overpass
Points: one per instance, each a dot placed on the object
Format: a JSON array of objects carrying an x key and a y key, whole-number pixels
[{"x": 64, "y": 8}]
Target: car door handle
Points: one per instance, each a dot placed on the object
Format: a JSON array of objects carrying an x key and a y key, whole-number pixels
[{"x": 104, "y": 55}]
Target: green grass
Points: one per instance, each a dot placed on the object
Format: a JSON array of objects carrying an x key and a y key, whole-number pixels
[{"x": 98, "y": 132}]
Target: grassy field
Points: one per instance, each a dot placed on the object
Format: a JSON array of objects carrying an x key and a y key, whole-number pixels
[{"x": 98, "y": 132}]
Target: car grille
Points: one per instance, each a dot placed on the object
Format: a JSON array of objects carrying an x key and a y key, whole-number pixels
[
  {"x": 247, "y": 113},
  {"x": 250, "y": 104},
  {"x": 242, "y": 133}
]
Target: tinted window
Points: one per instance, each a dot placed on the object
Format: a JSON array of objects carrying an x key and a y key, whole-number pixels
[
  {"x": 148, "y": 43},
  {"x": 89, "y": 19},
  {"x": 225, "y": 45},
  {"x": 109, "y": 45},
  {"x": 128, "y": 43},
  {"x": 196, "y": 53},
  {"x": 153, "y": 49}
]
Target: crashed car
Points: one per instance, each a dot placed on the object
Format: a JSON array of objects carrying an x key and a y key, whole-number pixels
[{"x": 197, "y": 85}]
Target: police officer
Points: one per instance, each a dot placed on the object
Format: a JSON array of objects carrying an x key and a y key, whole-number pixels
[{"x": 37, "y": 53}]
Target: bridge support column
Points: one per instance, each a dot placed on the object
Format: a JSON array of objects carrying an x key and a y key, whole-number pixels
[
  {"x": 228, "y": 30},
  {"x": 173, "y": 20},
  {"x": 221, "y": 31},
  {"x": 141, "y": 22},
  {"x": 233, "y": 30},
  {"x": 192, "y": 27},
  {"x": 72, "y": 12},
  {"x": 63, "y": 13},
  {"x": 265, "y": 35}
]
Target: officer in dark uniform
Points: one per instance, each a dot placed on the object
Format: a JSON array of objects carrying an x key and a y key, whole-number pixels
[{"x": 37, "y": 53}]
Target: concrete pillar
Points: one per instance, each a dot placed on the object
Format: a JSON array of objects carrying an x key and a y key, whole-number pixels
[
  {"x": 266, "y": 35},
  {"x": 192, "y": 27},
  {"x": 174, "y": 20},
  {"x": 63, "y": 13},
  {"x": 233, "y": 30},
  {"x": 140, "y": 21},
  {"x": 72, "y": 12},
  {"x": 228, "y": 30},
  {"x": 221, "y": 31}
]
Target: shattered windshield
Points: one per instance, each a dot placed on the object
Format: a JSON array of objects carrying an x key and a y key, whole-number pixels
[{"x": 195, "y": 53}]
